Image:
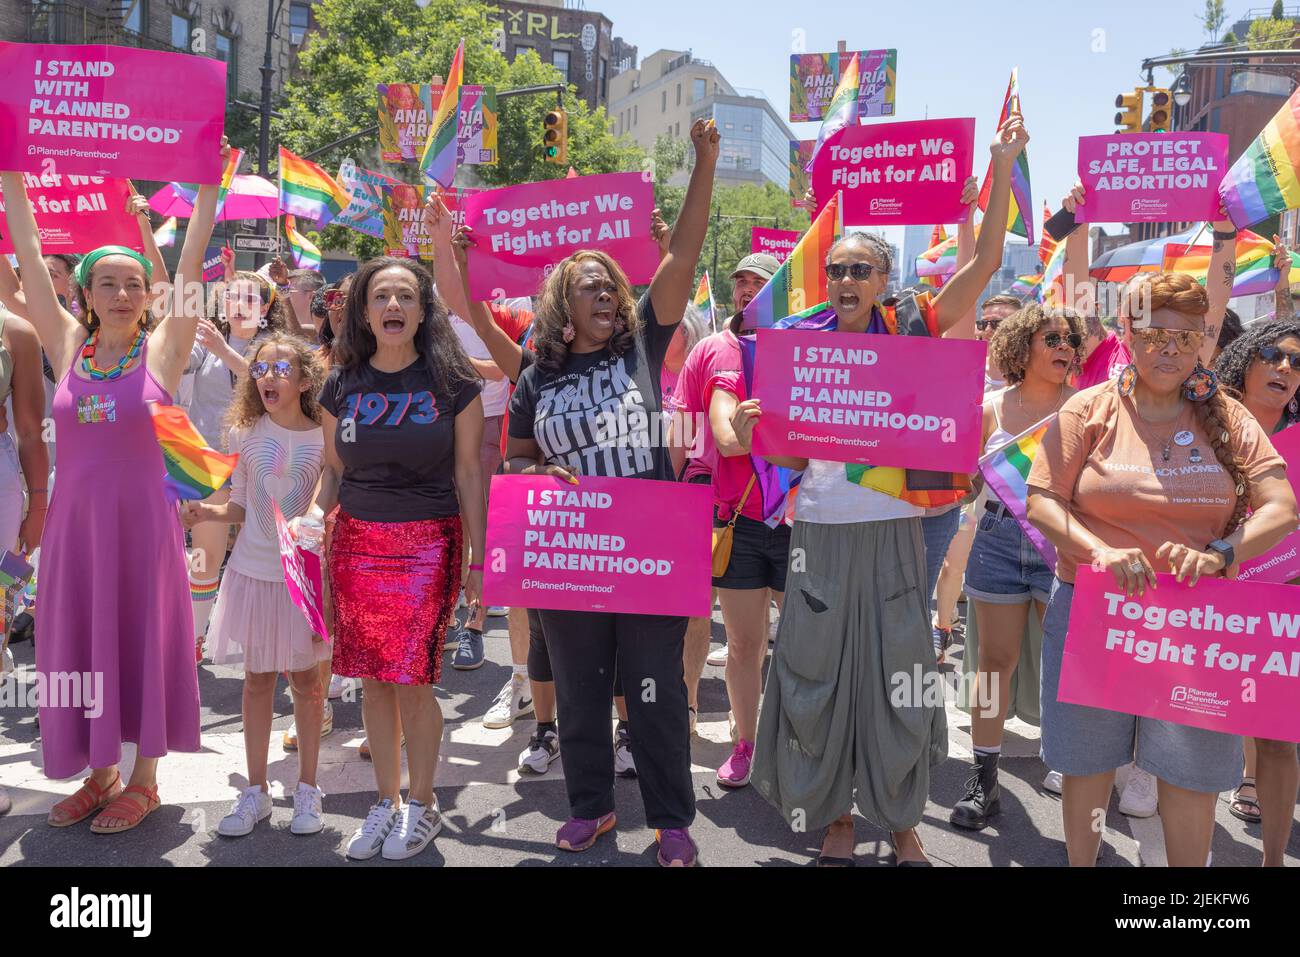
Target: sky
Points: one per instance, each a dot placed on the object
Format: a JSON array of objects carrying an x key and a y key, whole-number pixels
[{"x": 954, "y": 59}]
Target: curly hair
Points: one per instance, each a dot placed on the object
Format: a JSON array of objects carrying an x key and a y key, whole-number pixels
[
  {"x": 1011, "y": 345},
  {"x": 246, "y": 406},
  {"x": 276, "y": 316},
  {"x": 552, "y": 310},
  {"x": 1235, "y": 360},
  {"x": 1183, "y": 294}
]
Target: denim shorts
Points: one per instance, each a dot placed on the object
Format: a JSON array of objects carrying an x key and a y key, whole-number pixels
[
  {"x": 1004, "y": 567},
  {"x": 1078, "y": 740},
  {"x": 759, "y": 556},
  {"x": 939, "y": 531}
]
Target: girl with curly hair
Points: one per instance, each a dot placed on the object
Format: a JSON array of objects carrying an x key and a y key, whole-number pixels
[
  {"x": 1036, "y": 348},
  {"x": 274, "y": 423},
  {"x": 1159, "y": 467}
]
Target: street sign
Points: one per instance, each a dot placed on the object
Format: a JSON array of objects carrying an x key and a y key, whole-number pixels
[{"x": 247, "y": 243}]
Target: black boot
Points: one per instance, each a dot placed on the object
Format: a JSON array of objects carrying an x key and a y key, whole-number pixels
[{"x": 982, "y": 798}]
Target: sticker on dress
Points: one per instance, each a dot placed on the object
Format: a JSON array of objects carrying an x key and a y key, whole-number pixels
[
  {"x": 1184, "y": 438},
  {"x": 92, "y": 409}
]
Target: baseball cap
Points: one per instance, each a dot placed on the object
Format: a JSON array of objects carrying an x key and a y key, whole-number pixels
[{"x": 761, "y": 264}]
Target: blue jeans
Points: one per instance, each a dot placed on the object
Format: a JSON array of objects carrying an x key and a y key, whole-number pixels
[{"x": 939, "y": 531}]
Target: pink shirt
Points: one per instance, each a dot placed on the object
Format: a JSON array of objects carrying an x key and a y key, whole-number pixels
[
  {"x": 719, "y": 352},
  {"x": 1106, "y": 362},
  {"x": 731, "y": 473}
]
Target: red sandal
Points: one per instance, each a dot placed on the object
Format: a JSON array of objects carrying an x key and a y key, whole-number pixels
[
  {"x": 88, "y": 799},
  {"x": 127, "y": 810}
]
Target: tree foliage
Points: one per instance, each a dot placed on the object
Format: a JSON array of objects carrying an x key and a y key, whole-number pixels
[
  {"x": 1271, "y": 34},
  {"x": 1212, "y": 18}
]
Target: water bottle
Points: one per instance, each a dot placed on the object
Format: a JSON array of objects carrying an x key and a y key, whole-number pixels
[{"x": 309, "y": 530}]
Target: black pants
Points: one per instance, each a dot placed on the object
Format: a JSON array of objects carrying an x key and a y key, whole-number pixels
[
  {"x": 584, "y": 647},
  {"x": 539, "y": 659}
]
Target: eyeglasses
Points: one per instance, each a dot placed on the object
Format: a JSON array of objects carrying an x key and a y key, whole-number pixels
[
  {"x": 1275, "y": 354},
  {"x": 859, "y": 271},
  {"x": 1187, "y": 339},
  {"x": 982, "y": 324},
  {"x": 1054, "y": 339},
  {"x": 280, "y": 369},
  {"x": 334, "y": 298}
]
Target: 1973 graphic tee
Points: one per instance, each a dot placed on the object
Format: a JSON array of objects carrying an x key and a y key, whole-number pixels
[{"x": 600, "y": 414}]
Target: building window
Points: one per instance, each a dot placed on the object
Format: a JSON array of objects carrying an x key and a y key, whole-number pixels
[
  {"x": 604, "y": 78},
  {"x": 700, "y": 90},
  {"x": 560, "y": 60},
  {"x": 636, "y": 109},
  {"x": 679, "y": 94},
  {"x": 678, "y": 131},
  {"x": 136, "y": 17},
  {"x": 180, "y": 32},
  {"x": 522, "y": 48},
  {"x": 299, "y": 21},
  {"x": 225, "y": 50},
  {"x": 663, "y": 102}
]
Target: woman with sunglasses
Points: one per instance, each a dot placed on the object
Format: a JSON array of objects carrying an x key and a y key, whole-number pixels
[
  {"x": 829, "y": 735},
  {"x": 331, "y": 305},
  {"x": 1157, "y": 469},
  {"x": 1037, "y": 349},
  {"x": 1263, "y": 367}
]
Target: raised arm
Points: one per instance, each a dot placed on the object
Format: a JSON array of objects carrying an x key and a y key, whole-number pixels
[
  {"x": 1080, "y": 290},
  {"x": 965, "y": 327},
  {"x": 674, "y": 280},
  {"x": 11, "y": 290},
  {"x": 29, "y": 426},
  {"x": 138, "y": 206},
  {"x": 1283, "y": 306},
  {"x": 1219, "y": 278}
]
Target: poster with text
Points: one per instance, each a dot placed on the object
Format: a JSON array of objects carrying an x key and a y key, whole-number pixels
[
  {"x": 75, "y": 214},
  {"x": 1151, "y": 177},
  {"x": 365, "y": 210},
  {"x": 801, "y": 152},
  {"x": 814, "y": 76},
  {"x": 406, "y": 109},
  {"x": 1282, "y": 563},
  {"x": 405, "y": 233}
]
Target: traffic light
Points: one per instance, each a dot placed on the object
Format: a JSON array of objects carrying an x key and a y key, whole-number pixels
[
  {"x": 1129, "y": 112},
  {"x": 555, "y": 141},
  {"x": 1161, "y": 110}
]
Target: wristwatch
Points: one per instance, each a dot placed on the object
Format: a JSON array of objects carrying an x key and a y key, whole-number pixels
[{"x": 1220, "y": 547}]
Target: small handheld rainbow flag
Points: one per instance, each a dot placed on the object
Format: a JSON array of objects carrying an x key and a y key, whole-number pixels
[
  {"x": 1006, "y": 471},
  {"x": 1052, "y": 285},
  {"x": 841, "y": 112},
  {"x": 1020, "y": 211},
  {"x": 302, "y": 250},
  {"x": 1266, "y": 178},
  {"x": 439, "y": 160},
  {"x": 703, "y": 300},
  {"x": 1253, "y": 272},
  {"x": 165, "y": 235},
  {"x": 194, "y": 471},
  {"x": 1028, "y": 287},
  {"x": 308, "y": 191},
  {"x": 941, "y": 258},
  {"x": 801, "y": 280},
  {"x": 1046, "y": 245}
]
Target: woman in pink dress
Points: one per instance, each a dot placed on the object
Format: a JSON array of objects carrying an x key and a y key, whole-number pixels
[{"x": 116, "y": 651}]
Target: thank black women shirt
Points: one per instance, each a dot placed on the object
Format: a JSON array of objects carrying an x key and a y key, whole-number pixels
[
  {"x": 396, "y": 436},
  {"x": 600, "y": 413}
]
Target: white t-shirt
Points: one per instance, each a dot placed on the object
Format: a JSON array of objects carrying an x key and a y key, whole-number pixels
[
  {"x": 496, "y": 394},
  {"x": 275, "y": 464},
  {"x": 827, "y": 497}
]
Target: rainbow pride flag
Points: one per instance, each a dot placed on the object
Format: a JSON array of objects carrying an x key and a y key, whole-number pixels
[
  {"x": 1254, "y": 273},
  {"x": 1020, "y": 211},
  {"x": 1266, "y": 178},
  {"x": 439, "y": 160},
  {"x": 308, "y": 191},
  {"x": 1028, "y": 287},
  {"x": 1046, "y": 245},
  {"x": 1053, "y": 281},
  {"x": 703, "y": 300},
  {"x": 1006, "y": 472},
  {"x": 940, "y": 259},
  {"x": 842, "y": 110},
  {"x": 302, "y": 250},
  {"x": 194, "y": 471},
  {"x": 801, "y": 280},
  {"x": 165, "y": 235}
]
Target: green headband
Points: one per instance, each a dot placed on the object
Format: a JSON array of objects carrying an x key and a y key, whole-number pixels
[{"x": 82, "y": 275}]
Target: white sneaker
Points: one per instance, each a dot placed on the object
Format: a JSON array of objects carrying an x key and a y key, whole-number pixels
[
  {"x": 307, "y": 810},
  {"x": 252, "y": 805},
  {"x": 369, "y": 837},
  {"x": 718, "y": 658},
  {"x": 417, "y": 825},
  {"x": 497, "y": 611},
  {"x": 514, "y": 700},
  {"x": 1052, "y": 782},
  {"x": 541, "y": 752},
  {"x": 1139, "y": 796},
  {"x": 339, "y": 686},
  {"x": 624, "y": 766}
]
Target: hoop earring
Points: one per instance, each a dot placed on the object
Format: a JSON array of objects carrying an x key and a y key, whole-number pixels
[
  {"x": 1127, "y": 380},
  {"x": 568, "y": 332},
  {"x": 1201, "y": 385}
]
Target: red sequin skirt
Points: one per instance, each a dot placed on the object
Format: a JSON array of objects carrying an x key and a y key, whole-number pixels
[{"x": 394, "y": 586}]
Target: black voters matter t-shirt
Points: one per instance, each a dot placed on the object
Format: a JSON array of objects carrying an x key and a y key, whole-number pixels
[
  {"x": 400, "y": 464},
  {"x": 600, "y": 414}
]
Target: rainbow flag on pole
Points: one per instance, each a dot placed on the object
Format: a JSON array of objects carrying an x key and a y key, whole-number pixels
[
  {"x": 1266, "y": 178},
  {"x": 1028, "y": 287},
  {"x": 1053, "y": 274},
  {"x": 308, "y": 191},
  {"x": 190, "y": 192},
  {"x": 302, "y": 250},
  {"x": 940, "y": 259},
  {"x": 439, "y": 160},
  {"x": 1254, "y": 273},
  {"x": 703, "y": 300},
  {"x": 165, "y": 235},
  {"x": 842, "y": 110},
  {"x": 194, "y": 471},
  {"x": 1006, "y": 472},
  {"x": 1020, "y": 211},
  {"x": 801, "y": 280},
  {"x": 1047, "y": 245}
]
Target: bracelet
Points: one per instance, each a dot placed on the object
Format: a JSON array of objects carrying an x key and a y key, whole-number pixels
[
  {"x": 476, "y": 568},
  {"x": 1225, "y": 236}
]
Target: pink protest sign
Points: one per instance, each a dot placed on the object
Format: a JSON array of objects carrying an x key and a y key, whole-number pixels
[
  {"x": 112, "y": 111},
  {"x": 522, "y": 231},
  {"x": 898, "y": 173},
  {"x": 1280, "y": 564},
  {"x": 302, "y": 576},
  {"x": 600, "y": 545},
  {"x": 775, "y": 242},
  {"x": 1223, "y": 655},
  {"x": 75, "y": 214},
  {"x": 1151, "y": 177},
  {"x": 850, "y": 397}
]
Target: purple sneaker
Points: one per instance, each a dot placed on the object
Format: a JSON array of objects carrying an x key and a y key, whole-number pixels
[
  {"x": 676, "y": 849},
  {"x": 580, "y": 833},
  {"x": 734, "y": 773}
]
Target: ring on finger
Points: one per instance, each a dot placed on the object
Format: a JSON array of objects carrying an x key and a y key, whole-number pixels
[{"x": 1135, "y": 567}]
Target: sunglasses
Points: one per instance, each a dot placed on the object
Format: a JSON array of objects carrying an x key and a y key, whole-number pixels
[
  {"x": 280, "y": 369},
  {"x": 859, "y": 271},
  {"x": 1053, "y": 340},
  {"x": 334, "y": 298},
  {"x": 1187, "y": 339},
  {"x": 1275, "y": 354},
  {"x": 982, "y": 324}
]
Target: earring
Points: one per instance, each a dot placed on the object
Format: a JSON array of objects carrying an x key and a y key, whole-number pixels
[
  {"x": 1127, "y": 380},
  {"x": 1201, "y": 385},
  {"x": 568, "y": 332},
  {"x": 1294, "y": 406},
  {"x": 620, "y": 324}
]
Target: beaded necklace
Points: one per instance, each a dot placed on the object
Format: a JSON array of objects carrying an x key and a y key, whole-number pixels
[{"x": 88, "y": 357}]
